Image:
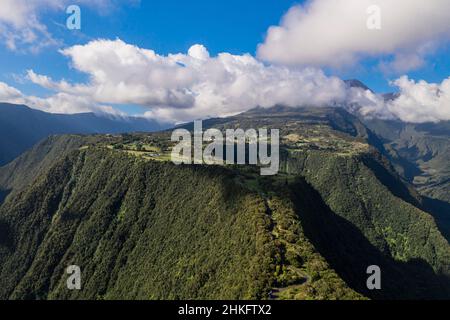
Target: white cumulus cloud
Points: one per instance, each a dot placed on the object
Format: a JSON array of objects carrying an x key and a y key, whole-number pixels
[
  {"x": 58, "y": 103},
  {"x": 182, "y": 87},
  {"x": 335, "y": 33},
  {"x": 186, "y": 86},
  {"x": 9, "y": 94},
  {"x": 421, "y": 101},
  {"x": 415, "y": 101}
]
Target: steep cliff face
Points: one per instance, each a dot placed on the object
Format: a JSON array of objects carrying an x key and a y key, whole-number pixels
[
  {"x": 370, "y": 219},
  {"x": 420, "y": 152}
]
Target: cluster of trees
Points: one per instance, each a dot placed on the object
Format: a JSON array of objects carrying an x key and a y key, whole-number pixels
[{"x": 138, "y": 230}]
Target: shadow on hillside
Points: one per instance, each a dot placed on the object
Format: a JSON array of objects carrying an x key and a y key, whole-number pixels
[
  {"x": 349, "y": 252},
  {"x": 440, "y": 210},
  {"x": 3, "y": 195},
  {"x": 390, "y": 181},
  {"x": 5, "y": 235},
  {"x": 410, "y": 169}
]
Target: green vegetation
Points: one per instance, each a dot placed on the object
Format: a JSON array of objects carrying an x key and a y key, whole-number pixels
[
  {"x": 421, "y": 155},
  {"x": 119, "y": 218},
  {"x": 363, "y": 222},
  {"x": 142, "y": 228}
]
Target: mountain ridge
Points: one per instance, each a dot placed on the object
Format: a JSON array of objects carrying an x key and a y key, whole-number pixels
[
  {"x": 21, "y": 127},
  {"x": 335, "y": 208}
]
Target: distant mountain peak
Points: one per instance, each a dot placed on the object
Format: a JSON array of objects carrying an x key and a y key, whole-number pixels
[
  {"x": 21, "y": 127},
  {"x": 354, "y": 83},
  {"x": 390, "y": 96}
]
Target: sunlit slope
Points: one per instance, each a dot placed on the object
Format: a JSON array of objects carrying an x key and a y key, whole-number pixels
[
  {"x": 150, "y": 230},
  {"x": 143, "y": 228}
]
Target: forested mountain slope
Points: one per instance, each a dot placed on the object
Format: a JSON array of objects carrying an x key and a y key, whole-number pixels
[
  {"x": 148, "y": 230},
  {"x": 142, "y": 228},
  {"x": 421, "y": 152}
]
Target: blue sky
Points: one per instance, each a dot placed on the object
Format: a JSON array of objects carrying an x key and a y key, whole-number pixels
[
  {"x": 166, "y": 26},
  {"x": 169, "y": 26}
]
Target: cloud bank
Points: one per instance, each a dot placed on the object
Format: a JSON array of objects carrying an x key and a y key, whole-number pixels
[
  {"x": 58, "y": 103},
  {"x": 334, "y": 33},
  {"x": 182, "y": 87},
  {"x": 421, "y": 101}
]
